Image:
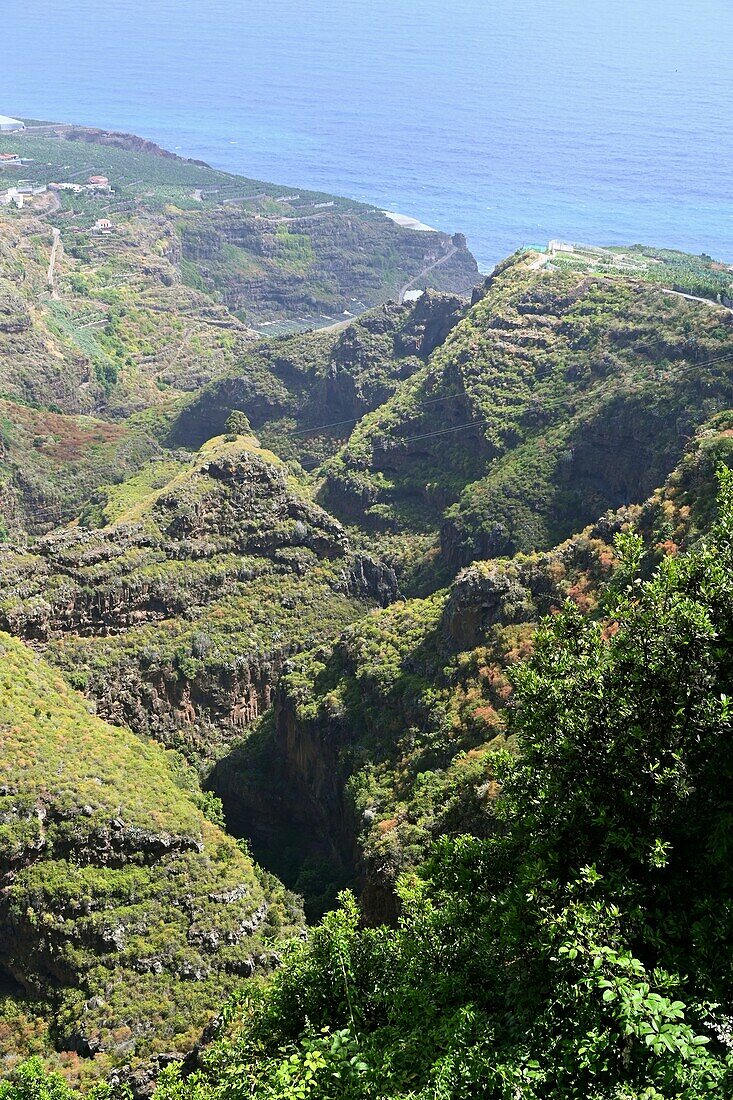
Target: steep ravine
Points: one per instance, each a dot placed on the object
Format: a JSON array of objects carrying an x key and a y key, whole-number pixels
[
  {"x": 284, "y": 790},
  {"x": 176, "y": 617},
  {"x": 115, "y": 888},
  {"x": 327, "y": 786},
  {"x": 381, "y": 742}
]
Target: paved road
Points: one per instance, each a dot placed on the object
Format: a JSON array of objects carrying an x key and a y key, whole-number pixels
[
  {"x": 421, "y": 275},
  {"x": 695, "y": 298},
  {"x": 541, "y": 260}
]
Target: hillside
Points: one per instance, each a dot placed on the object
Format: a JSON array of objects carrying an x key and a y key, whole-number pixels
[
  {"x": 576, "y": 950},
  {"x": 112, "y": 876},
  {"x": 305, "y": 394},
  {"x": 559, "y": 394},
  {"x": 314, "y": 566},
  {"x": 383, "y": 742},
  {"x": 128, "y": 294},
  {"x": 178, "y": 596},
  {"x": 50, "y": 464},
  {"x": 255, "y": 247},
  {"x": 444, "y": 432}
]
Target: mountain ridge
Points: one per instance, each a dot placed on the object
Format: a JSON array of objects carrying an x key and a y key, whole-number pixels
[{"x": 304, "y": 593}]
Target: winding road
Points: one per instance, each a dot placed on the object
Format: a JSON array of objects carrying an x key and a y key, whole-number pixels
[
  {"x": 436, "y": 263},
  {"x": 695, "y": 298}
]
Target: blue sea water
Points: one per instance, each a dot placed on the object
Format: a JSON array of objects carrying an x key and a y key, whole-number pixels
[{"x": 511, "y": 120}]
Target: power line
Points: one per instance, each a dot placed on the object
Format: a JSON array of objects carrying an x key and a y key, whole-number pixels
[
  {"x": 355, "y": 419},
  {"x": 442, "y": 431},
  {"x": 480, "y": 423},
  {"x": 426, "y": 435},
  {"x": 525, "y": 408},
  {"x": 454, "y": 396}
]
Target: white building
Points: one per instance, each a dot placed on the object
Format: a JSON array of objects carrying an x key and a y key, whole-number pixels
[
  {"x": 12, "y": 195},
  {"x": 29, "y": 187},
  {"x": 560, "y": 246},
  {"x": 8, "y": 125}
]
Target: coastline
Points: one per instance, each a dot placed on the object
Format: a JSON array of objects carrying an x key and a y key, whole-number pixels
[{"x": 407, "y": 222}]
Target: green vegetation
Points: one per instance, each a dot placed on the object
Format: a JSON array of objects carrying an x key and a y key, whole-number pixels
[
  {"x": 50, "y": 463},
  {"x": 180, "y": 593},
  {"x": 141, "y": 315},
  {"x": 399, "y": 719},
  {"x": 520, "y": 768},
  {"x": 113, "y": 875},
  {"x": 396, "y": 721},
  {"x": 580, "y": 949},
  {"x": 698, "y": 275},
  {"x": 304, "y": 394},
  {"x": 559, "y": 394}
]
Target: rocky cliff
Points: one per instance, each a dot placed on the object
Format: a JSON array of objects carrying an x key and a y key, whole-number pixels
[
  {"x": 313, "y": 262},
  {"x": 177, "y": 612},
  {"x": 111, "y": 878},
  {"x": 385, "y": 741}
]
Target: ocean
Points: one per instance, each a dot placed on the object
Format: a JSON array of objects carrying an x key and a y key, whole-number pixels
[{"x": 513, "y": 121}]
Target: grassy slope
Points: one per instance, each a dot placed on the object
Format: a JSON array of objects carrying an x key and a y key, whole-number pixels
[
  {"x": 177, "y": 599},
  {"x": 579, "y": 390},
  {"x": 50, "y": 463},
  {"x": 112, "y": 875}
]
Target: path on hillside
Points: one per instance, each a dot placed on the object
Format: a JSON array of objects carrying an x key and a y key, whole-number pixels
[
  {"x": 52, "y": 263},
  {"x": 695, "y": 298},
  {"x": 54, "y": 204},
  {"x": 436, "y": 263}
]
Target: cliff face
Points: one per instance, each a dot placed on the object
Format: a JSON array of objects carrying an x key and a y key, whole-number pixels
[
  {"x": 384, "y": 741},
  {"x": 114, "y": 888},
  {"x": 177, "y": 616},
  {"x": 119, "y": 140},
  {"x": 558, "y": 394},
  {"x": 315, "y": 259}
]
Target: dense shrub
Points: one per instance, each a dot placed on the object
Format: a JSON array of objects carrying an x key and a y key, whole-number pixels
[{"x": 583, "y": 950}]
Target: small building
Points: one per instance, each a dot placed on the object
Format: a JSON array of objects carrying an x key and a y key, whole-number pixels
[
  {"x": 9, "y": 158},
  {"x": 10, "y": 125},
  {"x": 103, "y": 225},
  {"x": 98, "y": 183},
  {"x": 30, "y": 187},
  {"x": 12, "y": 195}
]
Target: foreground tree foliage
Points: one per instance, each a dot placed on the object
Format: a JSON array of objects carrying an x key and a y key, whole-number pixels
[{"x": 583, "y": 951}]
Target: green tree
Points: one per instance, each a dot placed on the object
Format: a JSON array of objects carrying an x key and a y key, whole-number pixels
[
  {"x": 583, "y": 951},
  {"x": 237, "y": 423}
]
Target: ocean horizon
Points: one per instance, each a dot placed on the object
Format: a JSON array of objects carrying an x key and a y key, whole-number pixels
[{"x": 511, "y": 121}]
